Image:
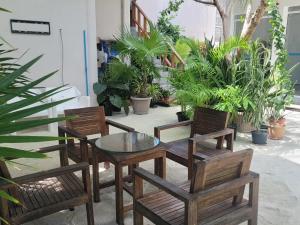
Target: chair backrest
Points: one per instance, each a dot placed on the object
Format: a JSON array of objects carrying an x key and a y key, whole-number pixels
[
  {"x": 218, "y": 170},
  {"x": 208, "y": 120},
  {"x": 87, "y": 121}
]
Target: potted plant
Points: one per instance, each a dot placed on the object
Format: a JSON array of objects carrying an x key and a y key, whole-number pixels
[
  {"x": 283, "y": 88},
  {"x": 165, "y": 97},
  {"x": 141, "y": 52},
  {"x": 154, "y": 92},
  {"x": 112, "y": 89}
]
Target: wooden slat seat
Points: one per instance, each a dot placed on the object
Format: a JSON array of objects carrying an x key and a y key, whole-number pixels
[
  {"x": 47, "y": 192},
  {"x": 178, "y": 150},
  {"x": 207, "y": 124},
  {"x": 171, "y": 210},
  {"x": 214, "y": 195}
]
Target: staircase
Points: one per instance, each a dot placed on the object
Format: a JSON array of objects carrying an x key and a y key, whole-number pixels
[{"x": 141, "y": 23}]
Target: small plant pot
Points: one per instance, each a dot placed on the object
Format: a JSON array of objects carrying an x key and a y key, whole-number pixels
[
  {"x": 182, "y": 116},
  {"x": 140, "y": 105},
  {"x": 259, "y": 137},
  {"x": 108, "y": 109},
  {"x": 276, "y": 131},
  {"x": 234, "y": 127}
]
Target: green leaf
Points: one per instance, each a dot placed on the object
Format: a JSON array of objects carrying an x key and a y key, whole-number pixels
[
  {"x": 116, "y": 101},
  {"x": 28, "y": 139},
  {"x": 4, "y": 10},
  {"x": 5, "y": 81},
  {"x": 30, "y": 111},
  {"x": 6, "y": 108},
  {"x": 99, "y": 88},
  {"x": 7, "y": 152},
  {"x": 11, "y": 127},
  {"x": 9, "y": 197}
]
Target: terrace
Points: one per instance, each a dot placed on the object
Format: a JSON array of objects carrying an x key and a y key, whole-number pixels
[{"x": 204, "y": 115}]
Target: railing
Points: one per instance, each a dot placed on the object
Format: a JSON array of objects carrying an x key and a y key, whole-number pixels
[{"x": 141, "y": 22}]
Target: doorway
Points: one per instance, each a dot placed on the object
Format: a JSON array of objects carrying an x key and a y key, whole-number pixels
[{"x": 293, "y": 43}]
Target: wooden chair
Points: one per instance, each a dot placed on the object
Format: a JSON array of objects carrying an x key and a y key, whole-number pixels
[
  {"x": 214, "y": 196},
  {"x": 207, "y": 124},
  {"x": 47, "y": 192},
  {"x": 87, "y": 121}
]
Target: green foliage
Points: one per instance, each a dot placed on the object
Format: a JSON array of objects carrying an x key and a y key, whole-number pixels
[
  {"x": 142, "y": 51},
  {"x": 219, "y": 78},
  {"x": 113, "y": 86},
  {"x": 283, "y": 86},
  {"x": 17, "y": 101},
  {"x": 164, "y": 21},
  {"x": 154, "y": 92},
  {"x": 182, "y": 48}
]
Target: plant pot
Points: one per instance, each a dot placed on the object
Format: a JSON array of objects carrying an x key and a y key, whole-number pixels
[
  {"x": 108, "y": 109},
  {"x": 182, "y": 116},
  {"x": 140, "y": 105},
  {"x": 276, "y": 130},
  {"x": 234, "y": 127},
  {"x": 259, "y": 137},
  {"x": 242, "y": 126}
]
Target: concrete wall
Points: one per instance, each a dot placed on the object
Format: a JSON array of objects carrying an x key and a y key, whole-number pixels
[
  {"x": 196, "y": 19},
  {"x": 72, "y": 17},
  {"x": 109, "y": 17}
]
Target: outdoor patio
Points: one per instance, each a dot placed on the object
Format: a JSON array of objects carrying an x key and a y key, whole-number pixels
[{"x": 278, "y": 164}]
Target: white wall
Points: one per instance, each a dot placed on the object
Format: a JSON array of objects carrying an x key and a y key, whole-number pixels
[
  {"x": 72, "y": 16},
  {"x": 109, "y": 18},
  {"x": 197, "y": 20}
]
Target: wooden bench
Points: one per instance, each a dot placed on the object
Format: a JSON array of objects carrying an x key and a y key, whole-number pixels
[
  {"x": 47, "y": 192},
  {"x": 207, "y": 124},
  {"x": 213, "y": 196}
]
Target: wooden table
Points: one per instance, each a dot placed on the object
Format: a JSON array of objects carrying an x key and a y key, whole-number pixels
[{"x": 128, "y": 149}]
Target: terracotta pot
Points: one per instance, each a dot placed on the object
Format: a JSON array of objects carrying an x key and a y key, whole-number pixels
[
  {"x": 140, "y": 105},
  {"x": 277, "y": 129}
]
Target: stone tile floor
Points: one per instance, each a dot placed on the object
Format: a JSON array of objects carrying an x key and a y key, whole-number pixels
[{"x": 278, "y": 164}]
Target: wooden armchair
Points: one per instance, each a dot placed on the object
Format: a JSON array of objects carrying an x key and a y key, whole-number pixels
[
  {"x": 87, "y": 121},
  {"x": 47, "y": 192},
  {"x": 213, "y": 196},
  {"x": 207, "y": 124}
]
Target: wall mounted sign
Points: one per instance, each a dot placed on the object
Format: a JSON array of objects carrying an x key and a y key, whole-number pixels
[{"x": 30, "y": 27}]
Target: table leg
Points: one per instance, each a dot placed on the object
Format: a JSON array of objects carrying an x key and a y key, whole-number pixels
[
  {"x": 96, "y": 179},
  {"x": 119, "y": 194},
  {"x": 160, "y": 167}
]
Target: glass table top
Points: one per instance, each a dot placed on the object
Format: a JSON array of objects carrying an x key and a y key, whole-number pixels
[{"x": 127, "y": 142}]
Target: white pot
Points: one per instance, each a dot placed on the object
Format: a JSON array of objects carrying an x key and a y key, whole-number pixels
[{"x": 140, "y": 105}]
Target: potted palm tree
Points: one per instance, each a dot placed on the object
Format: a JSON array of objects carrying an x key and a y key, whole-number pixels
[{"x": 141, "y": 52}]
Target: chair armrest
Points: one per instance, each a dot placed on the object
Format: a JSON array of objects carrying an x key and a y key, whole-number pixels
[
  {"x": 71, "y": 132},
  {"x": 120, "y": 126},
  {"x": 52, "y": 148},
  {"x": 162, "y": 184},
  {"x": 234, "y": 184},
  {"x": 198, "y": 138},
  {"x": 170, "y": 126},
  {"x": 44, "y": 175}
]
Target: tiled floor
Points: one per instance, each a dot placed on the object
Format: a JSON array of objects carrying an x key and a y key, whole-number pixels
[{"x": 278, "y": 164}]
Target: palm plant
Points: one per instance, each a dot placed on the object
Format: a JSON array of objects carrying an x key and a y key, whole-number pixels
[
  {"x": 142, "y": 51},
  {"x": 14, "y": 84}
]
